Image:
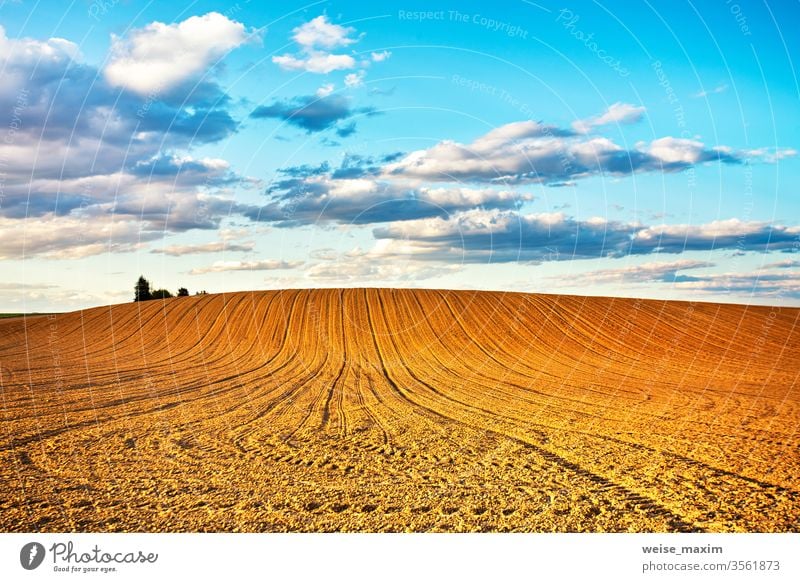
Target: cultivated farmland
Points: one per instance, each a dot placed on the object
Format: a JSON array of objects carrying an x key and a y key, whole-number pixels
[{"x": 401, "y": 410}]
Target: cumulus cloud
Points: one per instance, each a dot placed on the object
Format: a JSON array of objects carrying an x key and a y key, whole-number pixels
[
  {"x": 69, "y": 238},
  {"x": 185, "y": 170},
  {"x": 26, "y": 286},
  {"x": 322, "y": 199},
  {"x": 172, "y": 211},
  {"x": 316, "y": 38},
  {"x": 672, "y": 152},
  {"x": 211, "y": 247},
  {"x": 771, "y": 155},
  {"x": 719, "y": 234},
  {"x": 381, "y": 56},
  {"x": 526, "y": 152},
  {"x": 92, "y": 118},
  {"x": 265, "y": 265},
  {"x": 111, "y": 159},
  {"x": 382, "y": 263},
  {"x": 325, "y": 90},
  {"x": 367, "y": 269},
  {"x": 321, "y": 33},
  {"x": 354, "y": 80},
  {"x": 311, "y": 112},
  {"x": 39, "y": 297},
  {"x": 160, "y": 56},
  {"x": 619, "y": 112},
  {"x": 482, "y": 236},
  {"x": 645, "y": 273},
  {"x": 758, "y": 284},
  {"x": 315, "y": 62},
  {"x": 20, "y": 55},
  {"x": 509, "y": 236},
  {"x": 786, "y": 264}
]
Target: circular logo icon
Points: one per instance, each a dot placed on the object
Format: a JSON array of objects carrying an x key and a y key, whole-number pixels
[{"x": 31, "y": 555}]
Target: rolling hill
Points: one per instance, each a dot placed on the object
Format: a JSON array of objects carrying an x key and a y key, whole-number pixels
[{"x": 401, "y": 410}]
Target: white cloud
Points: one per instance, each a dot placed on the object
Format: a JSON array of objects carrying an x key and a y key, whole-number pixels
[
  {"x": 212, "y": 247},
  {"x": 673, "y": 149},
  {"x": 88, "y": 171},
  {"x": 785, "y": 264},
  {"x": 325, "y": 90},
  {"x": 265, "y": 265},
  {"x": 315, "y": 62},
  {"x": 496, "y": 235},
  {"x": 514, "y": 131},
  {"x": 380, "y": 57},
  {"x": 461, "y": 198},
  {"x": 388, "y": 261},
  {"x": 748, "y": 285},
  {"x": 316, "y": 38},
  {"x": 322, "y": 199},
  {"x": 27, "y": 52},
  {"x": 354, "y": 80},
  {"x": 160, "y": 56},
  {"x": 470, "y": 222},
  {"x": 771, "y": 155},
  {"x": 718, "y": 230},
  {"x": 69, "y": 237},
  {"x": 183, "y": 164},
  {"x": 740, "y": 284},
  {"x": 526, "y": 152},
  {"x": 617, "y": 113},
  {"x": 320, "y": 33},
  {"x": 647, "y": 272},
  {"x": 46, "y": 298}
]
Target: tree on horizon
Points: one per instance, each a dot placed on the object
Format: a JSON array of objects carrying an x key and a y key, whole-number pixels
[
  {"x": 142, "y": 290},
  {"x": 160, "y": 294}
]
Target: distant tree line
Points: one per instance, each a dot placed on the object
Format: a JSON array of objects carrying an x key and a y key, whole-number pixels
[{"x": 143, "y": 292}]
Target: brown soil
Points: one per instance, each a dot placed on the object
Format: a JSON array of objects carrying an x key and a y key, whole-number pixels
[{"x": 390, "y": 410}]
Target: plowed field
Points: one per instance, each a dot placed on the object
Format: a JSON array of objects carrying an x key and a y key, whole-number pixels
[{"x": 390, "y": 410}]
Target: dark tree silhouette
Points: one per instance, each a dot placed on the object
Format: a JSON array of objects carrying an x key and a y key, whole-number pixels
[
  {"x": 160, "y": 294},
  {"x": 183, "y": 292},
  {"x": 142, "y": 290}
]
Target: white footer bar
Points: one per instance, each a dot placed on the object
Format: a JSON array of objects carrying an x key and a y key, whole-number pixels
[{"x": 379, "y": 557}]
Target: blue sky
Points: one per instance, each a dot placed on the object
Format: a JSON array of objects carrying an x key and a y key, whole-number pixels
[{"x": 590, "y": 148}]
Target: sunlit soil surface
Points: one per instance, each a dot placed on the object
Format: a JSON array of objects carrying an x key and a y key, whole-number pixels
[{"x": 389, "y": 410}]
